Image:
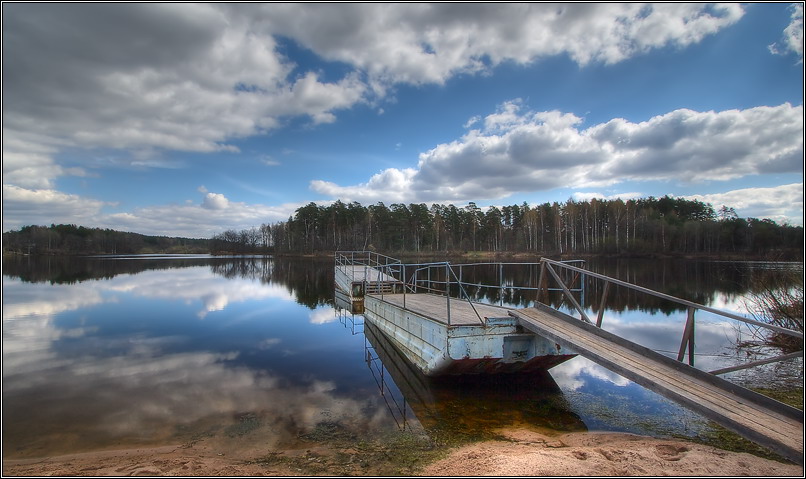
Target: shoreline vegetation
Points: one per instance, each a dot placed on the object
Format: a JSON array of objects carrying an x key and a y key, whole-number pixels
[{"x": 647, "y": 227}]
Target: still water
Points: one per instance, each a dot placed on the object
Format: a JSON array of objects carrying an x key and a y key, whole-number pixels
[{"x": 115, "y": 352}]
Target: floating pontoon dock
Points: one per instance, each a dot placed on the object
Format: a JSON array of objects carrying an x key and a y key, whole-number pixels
[{"x": 433, "y": 323}]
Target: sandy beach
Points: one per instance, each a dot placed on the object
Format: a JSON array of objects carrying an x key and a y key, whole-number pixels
[{"x": 519, "y": 452}]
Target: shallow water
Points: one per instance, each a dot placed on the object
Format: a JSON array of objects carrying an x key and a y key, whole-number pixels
[{"x": 116, "y": 352}]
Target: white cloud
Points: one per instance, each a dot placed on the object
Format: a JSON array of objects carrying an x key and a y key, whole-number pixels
[
  {"x": 198, "y": 79},
  {"x": 391, "y": 185},
  {"x": 792, "y": 40},
  {"x": 587, "y": 196},
  {"x": 215, "y": 201},
  {"x": 208, "y": 73},
  {"x": 781, "y": 203},
  {"x": 429, "y": 43},
  {"x": 525, "y": 151},
  {"x": 268, "y": 160},
  {"x": 84, "y": 77},
  {"x": 197, "y": 220},
  {"x": 23, "y": 206},
  {"x": 322, "y": 316}
]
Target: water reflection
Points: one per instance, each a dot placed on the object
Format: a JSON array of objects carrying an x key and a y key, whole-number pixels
[
  {"x": 254, "y": 353},
  {"x": 469, "y": 405},
  {"x": 166, "y": 355}
]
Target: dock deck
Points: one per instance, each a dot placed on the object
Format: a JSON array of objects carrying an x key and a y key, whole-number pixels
[
  {"x": 756, "y": 417},
  {"x": 435, "y": 307},
  {"x": 360, "y": 272},
  {"x": 455, "y": 336}
]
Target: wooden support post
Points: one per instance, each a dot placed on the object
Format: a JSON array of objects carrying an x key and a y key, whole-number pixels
[
  {"x": 688, "y": 338},
  {"x": 569, "y": 295},
  {"x": 501, "y": 281},
  {"x": 600, "y": 313},
  {"x": 540, "y": 281}
]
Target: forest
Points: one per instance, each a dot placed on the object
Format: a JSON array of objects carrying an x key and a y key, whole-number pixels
[
  {"x": 636, "y": 227},
  {"x": 666, "y": 225},
  {"x": 74, "y": 240}
]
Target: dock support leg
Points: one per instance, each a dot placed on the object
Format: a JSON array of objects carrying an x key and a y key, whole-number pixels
[{"x": 688, "y": 339}]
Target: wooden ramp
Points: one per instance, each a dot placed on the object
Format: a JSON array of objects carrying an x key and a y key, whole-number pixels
[{"x": 765, "y": 421}]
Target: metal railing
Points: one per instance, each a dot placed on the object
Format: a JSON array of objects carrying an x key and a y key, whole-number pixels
[
  {"x": 440, "y": 278},
  {"x": 445, "y": 278},
  {"x": 343, "y": 259},
  {"x": 687, "y": 342}
]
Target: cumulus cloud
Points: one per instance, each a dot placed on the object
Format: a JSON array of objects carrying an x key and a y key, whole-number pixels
[
  {"x": 215, "y": 201},
  {"x": 22, "y": 206},
  {"x": 85, "y": 75},
  {"x": 784, "y": 203},
  {"x": 429, "y": 43},
  {"x": 526, "y": 151},
  {"x": 197, "y": 220},
  {"x": 587, "y": 196},
  {"x": 792, "y": 39}
]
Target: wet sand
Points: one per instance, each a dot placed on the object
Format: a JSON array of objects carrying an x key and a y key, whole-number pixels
[{"x": 519, "y": 452}]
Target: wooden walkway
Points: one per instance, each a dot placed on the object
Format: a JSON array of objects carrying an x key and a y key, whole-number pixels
[
  {"x": 752, "y": 415},
  {"x": 435, "y": 307}
]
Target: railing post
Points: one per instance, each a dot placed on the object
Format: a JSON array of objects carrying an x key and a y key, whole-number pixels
[
  {"x": 404, "y": 286},
  {"x": 447, "y": 292},
  {"x": 501, "y": 281},
  {"x": 569, "y": 295},
  {"x": 688, "y": 338},
  {"x": 600, "y": 313},
  {"x": 541, "y": 280}
]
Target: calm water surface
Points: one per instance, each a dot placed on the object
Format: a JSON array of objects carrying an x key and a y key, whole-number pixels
[{"x": 253, "y": 353}]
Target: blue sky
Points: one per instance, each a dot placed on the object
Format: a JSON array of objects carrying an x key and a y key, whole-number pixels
[{"x": 189, "y": 119}]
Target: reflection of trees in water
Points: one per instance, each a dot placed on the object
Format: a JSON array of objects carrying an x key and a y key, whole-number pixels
[
  {"x": 310, "y": 280},
  {"x": 701, "y": 282},
  {"x": 73, "y": 269}
]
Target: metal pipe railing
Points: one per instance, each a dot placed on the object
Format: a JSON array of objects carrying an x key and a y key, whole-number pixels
[{"x": 445, "y": 277}]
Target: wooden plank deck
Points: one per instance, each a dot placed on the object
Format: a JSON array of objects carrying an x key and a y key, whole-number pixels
[
  {"x": 752, "y": 415},
  {"x": 360, "y": 272},
  {"x": 435, "y": 307}
]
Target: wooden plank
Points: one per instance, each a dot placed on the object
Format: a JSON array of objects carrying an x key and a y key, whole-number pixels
[
  {"x": 436, "y": 307},
  {"x": 366, "y": 273},
  {"x": 780, "y": 432},
  {"x": 637, "y": 362}
]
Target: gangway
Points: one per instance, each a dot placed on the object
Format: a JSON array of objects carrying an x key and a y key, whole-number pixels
[{"x": 442, "y": 334}]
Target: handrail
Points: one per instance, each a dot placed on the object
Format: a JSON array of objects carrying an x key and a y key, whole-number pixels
[
  {"x": 687, "y": 341},
  {"x": 412, "y": 282},
  {"x": 684, "y": 302}
]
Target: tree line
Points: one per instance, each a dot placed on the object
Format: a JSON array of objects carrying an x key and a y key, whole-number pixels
[
  {"x": 666, "y": 225},
  {"x": 72, "y": 240}
]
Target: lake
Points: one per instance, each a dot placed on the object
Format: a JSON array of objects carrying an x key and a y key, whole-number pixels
[{"x": 252, "y": 353}]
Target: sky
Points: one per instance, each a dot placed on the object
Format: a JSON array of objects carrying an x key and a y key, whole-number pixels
[{"x": 183, "y": 119}]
